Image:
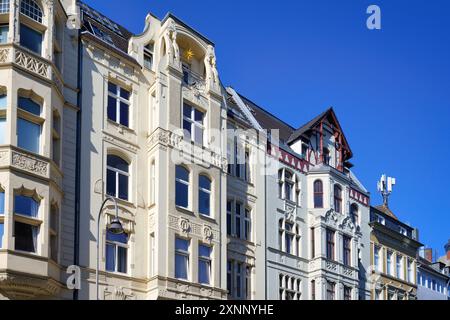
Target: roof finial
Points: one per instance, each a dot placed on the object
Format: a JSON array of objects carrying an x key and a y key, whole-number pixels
[{"x": 385, "y": 188}]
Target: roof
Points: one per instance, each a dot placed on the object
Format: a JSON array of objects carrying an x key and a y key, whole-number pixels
[
  {"x": 267, "y": 120},
  {"x": 182, "y": 23},
  {"x": 103, "y": 28},
  {"x": 386, "y": 211}
]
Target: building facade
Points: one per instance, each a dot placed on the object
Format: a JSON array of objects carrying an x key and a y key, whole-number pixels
[
  {"x": 394, "y": 252},
  {"x": 217, "y": 198},
  {"x": 433, "y": 277}
]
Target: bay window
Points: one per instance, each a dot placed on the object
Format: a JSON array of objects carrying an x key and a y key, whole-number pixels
[
  {"x": 54, "y": 230},
  {"x": 4, "y": 6},
  {"x": 26, "y": 206},
  {"x": 193, "y": 124},
  {"x": 25, "y": 237},
  {"x": 56, "y": 139},
  {"x": 204, "y": 196},
  {"x": 181, "y": 187},
  {"x": 118, "y": 104},
  {"x": 31, "y": 9},
  {"x": 117, "y": 177},
  {"x": 239, "y": 279},
  {"x": 29, "y": 125},
  {"x": 2, "y": 118},
  {"x": 116, "y": 252},
  {"x": 204, "y": 264},
  {"x": 26, "y": 223},
  {"x": 182, "y": 258},
  {"x": 2, "y": 202}
]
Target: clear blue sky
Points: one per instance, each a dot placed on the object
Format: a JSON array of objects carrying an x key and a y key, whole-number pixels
[{"x": 390, "y": 88}]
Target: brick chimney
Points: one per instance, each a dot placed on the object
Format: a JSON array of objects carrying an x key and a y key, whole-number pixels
[
  {"x": 428, "y": 254},
  {"x": 447, "y": 249}
]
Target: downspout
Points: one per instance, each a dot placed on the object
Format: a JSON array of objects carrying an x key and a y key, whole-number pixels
[{"x": 76, "y": 256}]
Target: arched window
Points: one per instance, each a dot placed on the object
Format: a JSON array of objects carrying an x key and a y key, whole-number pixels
[
  {"x": 181, "y": 187},
  {"x": 4, "y": 6},
  {"x": 337, "y": 198},
  {"x": 117, "y": 177},
  {"x": 354, "y": 213},
  {"x": 31, "y": 9},
  {"x": 318, "y": 194},
  {"x": 204, "y": 195}
]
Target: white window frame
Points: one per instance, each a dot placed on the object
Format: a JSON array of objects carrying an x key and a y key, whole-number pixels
[
  {"x": 116, "y": 252},
  {"x": 117, "y": 173},
  {"x": 119, "y": 99},
  {"x": 208, "y": 261},
  {"x": 185, "y": 254},
  {"x": 195, "y": 125}
]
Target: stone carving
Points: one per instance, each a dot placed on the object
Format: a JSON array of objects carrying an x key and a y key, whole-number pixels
[
  {"x": 289, "y": 210},
  {"x": 31, "y": 63},
  {"x": 174, "y": 50},
  {"x": 118, "y": 293},
  {"x": 184, "y": 225},
  {"x": 212, "y": 75},
  {"x": 348, "y": 272},
  {"x": 3, "y": 158},
  {"x": 23, "y": 287},
  {"x": 4, "y": 54},
  {"x": 208, "y": 233},
  {"x": 29, "y": 164},
  {"x": 331, "y": 266}
]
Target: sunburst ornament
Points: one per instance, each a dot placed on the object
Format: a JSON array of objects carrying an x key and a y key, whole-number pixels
[{"x": 189, "y": 54}]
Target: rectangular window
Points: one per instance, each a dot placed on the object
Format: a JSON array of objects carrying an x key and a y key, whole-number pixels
[
  {"x": 247, "y": 225},
  {"x": 239, "y": 280},
  {"x": 237, "y": 220},
  {"x": 330, "y": 244},
  {"x": 28, "y": 135},
  {"x": 289, "y": 238},
  {"x": 347, "y": 250},
  {"x": 26, "y": 206},
  {"x": 399, "y": 267},
  {"x": 2, "y": 232},
  {"x": 56, "y": 139},
  {"x": 377, "y": 259},
  {"x": 148, "y": 56},
  {"x": 2, "y": 202},
  {"x": 116, "y": 252},
  {"x": 229, "y": 276},
  {"x": 25, "y": 237},
  {"x": 181, "y": 259},
  {"x": 313, "y": 290},
  {"x": 118, "y": 104},
  {"x": 229, "y": 217},
  {"x": 31, "y": 39},
  {"x": 313, "y": 243},
  {"x": 248, "y": 281},
  {"x": 2, "y": 129},
  {"x": 389, "y": 262},
  {"x": 54, "y": 230},
  {"x": 4, "y": 33},
  {"x": 204, "y": 264},
  {"x": 331, "y": 290},
  {"x": 193, "y": 124},
  {"x": 347, "y": 293},
  {"x": 410, "y": 271}
]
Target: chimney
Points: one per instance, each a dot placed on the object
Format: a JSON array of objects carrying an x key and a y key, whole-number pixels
[
  {"x": 447, "y": 249},
  {"x": 428, "y": 254}
]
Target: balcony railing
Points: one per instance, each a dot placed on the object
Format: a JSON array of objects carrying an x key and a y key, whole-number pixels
[{"x": 193, "y": 79}]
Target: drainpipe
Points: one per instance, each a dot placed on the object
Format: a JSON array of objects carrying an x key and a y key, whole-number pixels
[{"x": 76, "y": 256}]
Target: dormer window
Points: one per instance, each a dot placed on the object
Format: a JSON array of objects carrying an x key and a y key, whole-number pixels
[
  {"x": 381, "y": 220},
  {"x": 403, "y": 231},
  {"x": 148, "y": 56}
]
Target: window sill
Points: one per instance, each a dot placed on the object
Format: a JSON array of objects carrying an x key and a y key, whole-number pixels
[
  {"x": 121, "y": 127},
  {"x": 206, "y": 217},
  {"x": 185, "y": 210}
]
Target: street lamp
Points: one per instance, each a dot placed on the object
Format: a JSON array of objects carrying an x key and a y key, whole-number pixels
[{"x": 115, "y": 228}]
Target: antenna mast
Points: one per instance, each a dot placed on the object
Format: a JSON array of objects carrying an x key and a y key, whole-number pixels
[{"x": 385, "y": 188}]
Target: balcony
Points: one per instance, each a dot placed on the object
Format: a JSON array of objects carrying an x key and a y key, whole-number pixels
[{"x": 193, "y": 79}]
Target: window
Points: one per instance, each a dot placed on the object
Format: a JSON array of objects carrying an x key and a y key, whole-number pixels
[
  {"x": 247, "y": 225},
  {"x": 2, "y": 202},
  {"x": 313, "y": 243},
  {"x": 2, "y": 127},
  {"x": 290, "y": 288},
  {"x": 237, "y": 220},
  {"x": 2, "y": 232},
  {"x": 116, "y": 252},
  {"x": 204, "y": 264},
  {"x": 117, "y": 177},
  {"x": 31, "y": 9},
  {"x": 3, "y": 31},
  {"x": 326, "y": 156},
  {"x": 4, "y": 6},
  {"x": 410, "y": 271},
  {"x": 337, "y": 198},
  {"x": 182, "y": 187},
  {"x": 118, "y": 104},
  {"x": 347, "y": 293},
  {"x": 289, "y": 237},
  {"x": 26, "y": 206},
  {"x": 229, "y": 276},
  {"x": 99, "y": 33},
  {"x": 381, "y": 220},
  {"x": 318, "y": 194},
  {"x": 287, "y": 186},
  {"x": 354, "y": 213},
  {"x": 400, "y": 267},
  {"x": 31, "y": 39},
  {"x": 239, "y": 280},
  {"x": 229, "y": 217},
  {"x": 331, "y": 290},
  {"x": 204, "y": 196},
  {"x": 390, "y": 264},
  {"x": 152, "y": 182},
  {"x": 181, "y": 259},
  {"x": 403, "y": 231},
  {"x": 347, "y": 241},
  {"x": 56, "y": 139},
  {"x": 25, "y": 237},
  {"x": 148, "y": 56},
  {"x": 29, "y": 125},
  {"x": 313, "y": 289},
  {"x": 330, "y": 244},
  {"x": 378, "y": 261},
  {"x": 193, "y": 124},
  {"x": 54, "y": 230}
]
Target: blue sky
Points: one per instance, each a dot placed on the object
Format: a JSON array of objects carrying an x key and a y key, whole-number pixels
[{"x": 390, "y": 88}]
